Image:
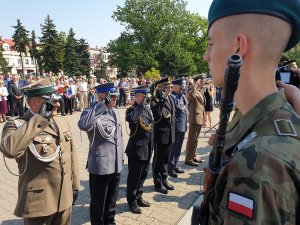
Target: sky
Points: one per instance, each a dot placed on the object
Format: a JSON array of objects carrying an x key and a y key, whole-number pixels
[{"x": 90, "y": 19}]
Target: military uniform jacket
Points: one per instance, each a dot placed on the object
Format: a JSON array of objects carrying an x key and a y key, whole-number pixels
[
  {"x": 105, "y": 153},
  {"x": 196, "y": 108},
  {"x": 140, "y": 143},
  {"x": 163, "y": 110},
  {"x": 260, "y": 183},
  {"x": 45, "y": 188},
  {"x": 181, "y": 113}
]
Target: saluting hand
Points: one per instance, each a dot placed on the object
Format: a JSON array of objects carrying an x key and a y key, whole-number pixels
[{"x": 46, "y": 110}]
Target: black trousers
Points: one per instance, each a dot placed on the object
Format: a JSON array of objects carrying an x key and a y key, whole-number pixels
[
  {"x": 137, "y": 174},
  {"x": 104, "y": 193},
  {"x": 175, "y": 151},
  {"x": 122, "y": 98},
  {"x": 16, "y": 107},
  {"x": 160, "y": 162},
  {"x": 68, "y": 105}
]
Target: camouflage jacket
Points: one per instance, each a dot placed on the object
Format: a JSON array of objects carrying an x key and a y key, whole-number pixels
[{"x": 260, "y": 182}]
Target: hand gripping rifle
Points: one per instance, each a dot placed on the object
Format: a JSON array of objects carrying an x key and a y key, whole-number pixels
[{"x": 231, "y": 80}]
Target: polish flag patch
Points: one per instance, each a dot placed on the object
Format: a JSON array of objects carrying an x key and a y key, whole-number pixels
[{"x": 241, "y": 205}]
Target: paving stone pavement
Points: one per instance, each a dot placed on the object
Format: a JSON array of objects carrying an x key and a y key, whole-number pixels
[{"x": 164, "y": 210}]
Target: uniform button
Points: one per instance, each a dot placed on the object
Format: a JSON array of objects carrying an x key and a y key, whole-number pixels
[
  {"x": 64, "y": 163},
  {"x": 64, "y": 173}
]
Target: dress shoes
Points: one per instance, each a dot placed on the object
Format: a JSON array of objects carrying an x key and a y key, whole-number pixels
[
  {"x": 135, "y": 209},
  {"x": 142, "y": 203},
  {"x": 179, "y": 170},
  {"x": 167, "y": 185},
  {"x": 197, "y": 160},
  {"x": 173, "y": 174},
  {"x": 190, "y": 163},
  {"x": 161, "y": 189}
]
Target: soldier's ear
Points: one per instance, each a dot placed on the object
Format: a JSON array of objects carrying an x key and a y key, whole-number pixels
[{"x": 241, "y": 44}]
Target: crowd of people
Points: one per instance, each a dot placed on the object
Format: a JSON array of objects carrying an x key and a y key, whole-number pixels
[{"x": 78, "y": 93}]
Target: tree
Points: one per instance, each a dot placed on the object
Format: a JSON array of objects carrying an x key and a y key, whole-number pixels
[
  {"x": 84, "y": 57},
  {"x": 160, "y": 34},
  {"x": 3, "y": 63},
  {"x": 294, "y": 53},
  {"x": 34, "y": 52},
  {"x": 50, "y": 52},
  {"x": 61, "y": 49},
  {"x": 71, "y": 60},
  {"x": 20, "y": 37},
  {"x": 153, "y": 74}
]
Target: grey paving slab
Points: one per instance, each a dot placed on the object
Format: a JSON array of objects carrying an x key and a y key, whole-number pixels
[{"x": 165, "y": 209}]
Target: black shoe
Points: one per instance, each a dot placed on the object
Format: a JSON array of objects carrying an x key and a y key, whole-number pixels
[
  {"x": 173, "y": 174},
  {"x": 161, "y": 189},
  {"x": 167, "y": 185},
  {"x": 191, "y": 163},
  {"x": 135, "y": 209},
  {"x": 142, "y": 203},
  {"x": 179, "y": 170},
  {"x": 63, "y": 114}
]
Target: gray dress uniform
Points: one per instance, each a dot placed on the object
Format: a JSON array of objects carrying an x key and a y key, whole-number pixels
[
  {"x": 181, "y": 115},
  {"x": 105, "y": 159}
]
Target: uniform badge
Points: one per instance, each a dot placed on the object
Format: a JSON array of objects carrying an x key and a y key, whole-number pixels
[{"x": 240, "y": 204}]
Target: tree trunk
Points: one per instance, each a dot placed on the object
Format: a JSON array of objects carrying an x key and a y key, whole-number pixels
[{"x": 22, "y": 63}]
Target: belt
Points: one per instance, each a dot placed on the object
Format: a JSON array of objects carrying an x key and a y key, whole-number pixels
[{"x": 83, "y": 91}]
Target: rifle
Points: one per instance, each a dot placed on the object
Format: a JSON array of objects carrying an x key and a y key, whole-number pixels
[{"x": 215, "y": 164}]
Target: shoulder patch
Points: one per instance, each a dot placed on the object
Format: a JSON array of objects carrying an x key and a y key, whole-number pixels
[{"x": 241, "y": 205}]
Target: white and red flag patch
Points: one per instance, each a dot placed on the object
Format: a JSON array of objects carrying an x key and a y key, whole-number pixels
[{"x": 241, "y": 205}]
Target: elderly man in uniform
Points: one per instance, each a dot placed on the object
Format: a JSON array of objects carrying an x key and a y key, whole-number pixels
[
  {"x": 102, "y": 123},
  {"x": 181, "y": 113},
  {"x": 139, "y": 148},
  {"x": 42, "y": 144},
  {"x": 259, "y": 183},
  {"x": 163, "y": 108},
  {"x": 196, "y": 108}
]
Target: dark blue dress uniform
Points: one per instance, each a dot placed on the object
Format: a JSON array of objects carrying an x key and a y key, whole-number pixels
[
  {"x": 105, "y": 158},
  {"x": 181, "y": 114},
  {"x": 139, "y": 150},
  {"x": 163, "y": 109}
]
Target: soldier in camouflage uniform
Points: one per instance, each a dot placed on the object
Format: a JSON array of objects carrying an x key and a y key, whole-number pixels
[{"x": 259, "y": 182}]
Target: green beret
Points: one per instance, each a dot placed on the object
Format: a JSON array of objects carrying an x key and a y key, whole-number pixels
[
  {"x": 40, "y": 88},
  {"x": 288, "y": 10}
]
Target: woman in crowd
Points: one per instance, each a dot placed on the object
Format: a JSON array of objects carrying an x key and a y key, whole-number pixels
[
  {"x": 3, "y": 102},
  {"x": 208, "y": 102}
]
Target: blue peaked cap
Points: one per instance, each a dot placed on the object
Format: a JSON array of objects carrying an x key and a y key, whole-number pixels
[
  {"x": 104, "y": 88},
  {"x": 288, "y": 10},
  {"x": 141, "y": 89},
  {"x": 177, "y": 81}
]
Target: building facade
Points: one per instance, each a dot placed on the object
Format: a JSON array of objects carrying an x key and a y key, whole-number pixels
[{"x": 13, "y": 59}]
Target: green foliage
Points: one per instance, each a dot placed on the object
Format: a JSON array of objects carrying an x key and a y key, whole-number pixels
[
  {"x": 50, "y": 47},
  {"x": 71, "y": 60},
  {"x": 21, "y": 40},
  {"x": 34, "y": 52},
  {"x": 160, "y": 34},
  {"x": 294, "y": 53},
  {"x": 3, "y": 63},
  {"x": 153, "y": 74},
  {"x": 84, "y": 57}
]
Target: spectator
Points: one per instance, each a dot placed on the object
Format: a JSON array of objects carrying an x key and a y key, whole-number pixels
[
  {"x": 83, "y": 95},
  {"x": 122, "y": 90},
  {"x": 16, "y": 96},
  {"x": 3, "y": 102}
]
